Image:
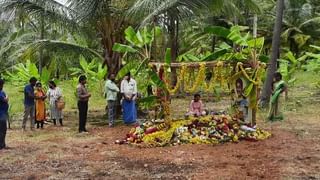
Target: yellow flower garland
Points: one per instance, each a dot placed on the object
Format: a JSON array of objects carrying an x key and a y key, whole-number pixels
[
  {"x": 179, "y": 81},
  {"x": 199, "y": 80},
  {"x": 220, "y": 75}
]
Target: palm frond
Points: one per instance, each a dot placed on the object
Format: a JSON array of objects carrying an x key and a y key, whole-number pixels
[
  {"x": 315, "y": 20},
  {"x": 58, "y": 47},
  {"x": 148, "y": 9},
  {"x": 50, "y": 10}
]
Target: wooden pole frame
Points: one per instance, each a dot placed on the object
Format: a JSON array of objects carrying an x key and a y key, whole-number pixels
[{"x": 251, "y": 118}]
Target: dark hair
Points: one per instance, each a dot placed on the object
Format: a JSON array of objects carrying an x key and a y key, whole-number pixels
[
  {"x": 109, "y": 75},
  {"x": 53, "y": 83},
  {"x": 38, "y": 84},
  {"x": 1, "y": 82},
  {"x": 82, "y": 78},
  {"x": 278, "y": 76},
  {"x": 196, "y": 95},
  {"x": 128, "y": 74},
  {"x": 33, "y": 79}
]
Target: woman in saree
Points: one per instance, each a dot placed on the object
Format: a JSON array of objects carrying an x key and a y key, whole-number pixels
[
  {"x": 55, "y": 94},
  {"x": 40, "y": 97},
  {"x": 279, "y": 87}
]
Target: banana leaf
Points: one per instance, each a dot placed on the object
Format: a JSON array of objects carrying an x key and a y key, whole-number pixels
[
  {"x": 248, "y": 89},
  {"x": 127, "y": 68},
  {"x": 156, "y": 80},
  {"x": 218, "y": 31},
  {"x": 122, "y": 48}
]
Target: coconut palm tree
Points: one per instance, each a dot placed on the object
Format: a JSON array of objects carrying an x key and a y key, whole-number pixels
[
  {"x": 36, "y": 17},
  {"x": 267, "y": 89},
  {"x": 103, "y": 20}
]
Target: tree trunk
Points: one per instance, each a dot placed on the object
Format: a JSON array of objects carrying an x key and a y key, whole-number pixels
[
  {"x": 267, "y": 89},
  {"x": 41, "y": 38},
  {"x": 214, "y": 42},
  {"x": 173, "y": 32}
]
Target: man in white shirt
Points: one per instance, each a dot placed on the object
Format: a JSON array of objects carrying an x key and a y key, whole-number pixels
[
  {"x": 112, "y": 91},
  {"x": 129, "y": 95}
]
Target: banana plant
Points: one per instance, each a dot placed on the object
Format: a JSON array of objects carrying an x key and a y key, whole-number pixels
[
  {"x": 289, "y": 64},
  {"x": 93, "y": 70},
  {"x": 139, "y": 46},
  {"x": 138, "y": 49},
  {"x": 23, "y": 72},
  {"x": 313, "y": 62},
  {"x": 243, "y": 44}
]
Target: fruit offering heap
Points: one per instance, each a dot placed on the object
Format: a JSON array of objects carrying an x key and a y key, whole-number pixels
[{"x": 213, "y": 129}]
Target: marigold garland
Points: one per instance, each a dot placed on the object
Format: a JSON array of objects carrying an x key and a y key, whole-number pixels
[
  {"x": 220, "y": 74},
  {"x": 179, "y": 81}
]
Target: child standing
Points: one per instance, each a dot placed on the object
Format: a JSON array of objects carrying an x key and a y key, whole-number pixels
[{"x": 279, "y": 86}]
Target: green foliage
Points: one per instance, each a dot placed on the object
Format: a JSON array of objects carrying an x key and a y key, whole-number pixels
[
  {"x": 139, "y": 51},
  {"x": 93, "y": 71},
  {"x": 139, "y": 42},
  {"x": 23, "y": 72},
  {"x": 218, "y": 31},
  {"x": 288, "y": 65},
  {"x": 313, "y": 62},
  {"x": 238, "y": 46}
]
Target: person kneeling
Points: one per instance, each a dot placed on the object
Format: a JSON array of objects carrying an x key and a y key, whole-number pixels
[{"x": 196, "y": 107}]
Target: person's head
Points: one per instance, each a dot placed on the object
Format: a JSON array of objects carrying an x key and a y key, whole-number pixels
[
  {"x": 38, "y": 85},
  {"x": 1, "y": 84},
  {"x": 277, "y": 76},
  {"x": 112, "y": 76},
  {"x": 128, "y": 76},
  {"x": 52, "y": 84},
  {"x": 196, "y": 97},
  {"x": 83, "y": 79},
  {"x": 33, "y": 81}
]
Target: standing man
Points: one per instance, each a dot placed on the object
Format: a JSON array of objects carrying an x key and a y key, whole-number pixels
[
  {"x": 4, "y": 106},
  {"x": 29, "y": 109},
  {"x": 83, "y": 98},
  {"x": 129, "y": 96},
  {"x": 111, "y": 90}
]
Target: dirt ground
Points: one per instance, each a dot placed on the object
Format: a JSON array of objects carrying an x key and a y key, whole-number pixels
[{"x": 293, "y": 152}]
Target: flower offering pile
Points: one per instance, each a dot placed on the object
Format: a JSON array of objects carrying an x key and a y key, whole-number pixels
[{"x": 213, "y": 129}]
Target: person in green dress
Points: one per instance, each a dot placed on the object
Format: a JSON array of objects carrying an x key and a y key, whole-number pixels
[{"x": 279, "y": 87}]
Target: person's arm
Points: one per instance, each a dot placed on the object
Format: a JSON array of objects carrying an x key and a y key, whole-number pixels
[
  {"x": 201, "y": 106},
  {"x": 135, "y": 91},
  {"x": 37, "y": 95},
  {"x": 59, "y": 93},
  {"x": 191, "y": 107},
  {"x": 30, "y": 93},
  {"x": 4, "y": 99},
  {"x": 81, "y": 95},
  {"x": 122, "y": 90},
  {"x": 112, "y": 87},
  {"x": 48, "y": 94},
  {"x": 44, "y": 95}
]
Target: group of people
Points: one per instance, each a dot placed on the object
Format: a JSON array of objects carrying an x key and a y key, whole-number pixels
[
  {"x": 35, "y": 107},
  {"x": 35, "y": 97},
  {"x": 128, "y": 94}
]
